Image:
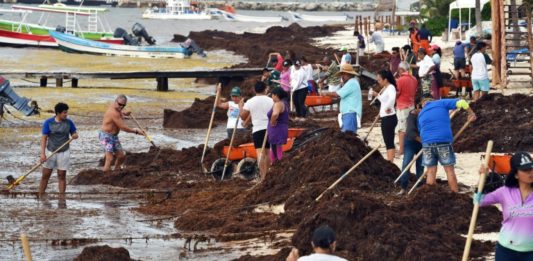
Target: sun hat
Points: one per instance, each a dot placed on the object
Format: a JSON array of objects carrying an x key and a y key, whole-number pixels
[
  {"x": 235, "y": 91},
  {"x": 346, "y": 68}
]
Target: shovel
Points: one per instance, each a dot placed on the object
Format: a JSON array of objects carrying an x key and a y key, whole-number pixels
[
  {"x": 204, "y": 170},
  {"x": 148, "y": 138},
  {"x": 13, "y": 183}
]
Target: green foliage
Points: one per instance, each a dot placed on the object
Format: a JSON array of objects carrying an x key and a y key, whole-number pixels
[{"x": 436, "y": 25}]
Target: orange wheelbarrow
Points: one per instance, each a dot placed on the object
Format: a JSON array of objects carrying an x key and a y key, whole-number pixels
[
  {"x": 243, "y": 159},
  {"x": 499, "y": 168}
]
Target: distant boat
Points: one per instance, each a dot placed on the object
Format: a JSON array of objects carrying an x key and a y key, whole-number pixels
[
  {"x": 71, "y": 43},
  {"x": 319, "y": 18},
  {"x": 256, "y": 19},
  {"x": 177, "y": 9},
  {"x": 23, "y": 33}
]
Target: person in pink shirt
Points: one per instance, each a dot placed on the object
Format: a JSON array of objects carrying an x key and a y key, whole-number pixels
[
  {"x": 406, "y": 86},
  {"x": 285, "y": 76},
  {"x": 277, "y": 60},
  {"x": 515, "y": 241}
]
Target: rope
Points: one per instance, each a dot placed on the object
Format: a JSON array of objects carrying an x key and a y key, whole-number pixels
[{"x": 18, "y": 118}]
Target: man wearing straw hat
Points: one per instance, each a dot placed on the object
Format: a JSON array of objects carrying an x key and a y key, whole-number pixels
[
  {"x": 351, "y": 105},
  {"x": 56, "y": 132},
  {"x": 436, "y": 134}
]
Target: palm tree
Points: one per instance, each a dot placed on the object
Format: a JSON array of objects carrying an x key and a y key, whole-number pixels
[{"x": 478, "y": 18}]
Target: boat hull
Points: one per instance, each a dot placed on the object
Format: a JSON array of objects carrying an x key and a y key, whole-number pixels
[
  {"x": 316, "y": 18},
  {"x": 254, "y": 19},
  {"x": 43, "y": 30},
  {"x": 8, "y": 38},
  {"x": 71, "y": 43},
  {"x": 169, "y": 16}
]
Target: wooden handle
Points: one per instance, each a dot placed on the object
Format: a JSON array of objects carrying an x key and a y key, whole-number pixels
[
  {"x": 229, "y": 149},
  {"x": 475, "y": 210},
  {"x": 348, "y": 172},
  {"x": 462, "y": 130},
  {"x": 371, "y": 127},
  {"x": 21, "y": 178},
  {"x": 210, "y": 125},
  {"x": 26, "y": 247},
  {"x": 143, "y": 130},
  {"x": 409, "y": 165}
]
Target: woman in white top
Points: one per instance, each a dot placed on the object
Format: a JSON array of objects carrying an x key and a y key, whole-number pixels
[
  {"x": 233, "y": 111},
  {"x": 387, "y": 112},
  {"x": 299, "y": 89}
]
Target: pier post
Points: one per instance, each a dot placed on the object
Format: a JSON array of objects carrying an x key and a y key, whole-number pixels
[
  {"x": 43, "y": 81},
  {"x": 74, "y": 83},
  {"x": 59, "y": 82},
  {"x": 162, "y": 84}
]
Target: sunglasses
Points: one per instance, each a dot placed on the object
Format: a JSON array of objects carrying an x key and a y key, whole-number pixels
[{"x": 121, "y": 104}]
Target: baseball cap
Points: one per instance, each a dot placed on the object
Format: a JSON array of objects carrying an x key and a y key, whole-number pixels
[
  {"x": 521, "y": 161},
  {"x": 266, "y": 69},
  {"x": 344, "y": 48},
  {"x": 297, "y": 62},
  {"x": 286, "y": 63},
  {"x": 323, "y": 237},
  {"x": 235, "y": 91}
]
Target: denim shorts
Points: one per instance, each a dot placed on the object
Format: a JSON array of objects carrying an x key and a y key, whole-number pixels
[
  {"x": 438, "y": 152},
  {"x": 349, "y": 122},
  {"x": 481, "y": 85}
]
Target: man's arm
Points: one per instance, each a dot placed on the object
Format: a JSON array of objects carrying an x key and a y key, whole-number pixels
[
  {"x": 44, "y": 138},
  {"x": 117, "y": 119},
  {"x": 244, "y": 114}
]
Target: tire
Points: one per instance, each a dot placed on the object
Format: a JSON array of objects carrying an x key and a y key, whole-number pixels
[
  {"x": 248, "y": 168},
  {"x": 218, "y": 167}
]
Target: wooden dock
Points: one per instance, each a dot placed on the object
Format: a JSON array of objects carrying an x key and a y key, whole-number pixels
[{"x": 160, "y": 76}]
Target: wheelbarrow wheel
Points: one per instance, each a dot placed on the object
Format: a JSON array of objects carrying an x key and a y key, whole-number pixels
[
  {"x": 218, "y": 167},
  {"x": 248, "y": 168}
]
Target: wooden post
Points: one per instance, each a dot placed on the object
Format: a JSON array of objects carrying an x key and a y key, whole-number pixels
[
  {"x": 43, "y": 82},
  {"x": 26, "y": 247},
  {"x": 162, "y": 84},
  {"x": 74, "y": 83},
  {"x": 496, "y": 29},
  {"x": 59, "y": 82},
  {"x": 529, "y": 38},
  {"x": 503, "y": 58}
]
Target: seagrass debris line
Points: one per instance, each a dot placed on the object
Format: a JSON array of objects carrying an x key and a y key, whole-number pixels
[
  {"x": 197, "y": 73},
  {"x": 36, "y": 193},
  {"x": 150, "y": 237}
]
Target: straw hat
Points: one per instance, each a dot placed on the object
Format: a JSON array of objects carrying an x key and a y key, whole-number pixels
[{"x": 346, "y": 68}]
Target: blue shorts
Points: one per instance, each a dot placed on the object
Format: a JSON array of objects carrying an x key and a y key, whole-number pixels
[
  {"x": 438, "y": 152},
  {"x": 349, "y": 122},
  {"x": 481, "y": 85}
]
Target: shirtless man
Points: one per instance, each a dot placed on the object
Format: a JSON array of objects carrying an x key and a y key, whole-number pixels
[{"x": 112, "y": 124}]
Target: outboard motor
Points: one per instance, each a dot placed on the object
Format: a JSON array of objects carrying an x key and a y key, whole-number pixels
[
  {"x": 191, "y": 46},
  {"x": 8, "y": 96},
  {"x": 61, "y": 29},
  {"x": 139, "y": 31},
  {"x": 128, "y": 39}
]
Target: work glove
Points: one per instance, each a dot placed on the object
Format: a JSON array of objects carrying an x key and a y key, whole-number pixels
[{"x": 478, "y": 197}]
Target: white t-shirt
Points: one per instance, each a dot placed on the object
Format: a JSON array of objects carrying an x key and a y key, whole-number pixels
[
  {"x": 258, "y": 106},
  {"x": 387, "y": 99},
  {"x": 321, "y": 257},
  {"x": 308, "y": 68},
  {"x": 479, "y": 67},
  {"x": 298, "y": 79},
  {"x": 233, "y": 116},
  {"x": 424, "y": 65}
]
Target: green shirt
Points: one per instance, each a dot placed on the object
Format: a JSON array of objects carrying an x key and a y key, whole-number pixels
[
  {"x": 331, "y": 76},
  {"x": 274, "y": 75}
]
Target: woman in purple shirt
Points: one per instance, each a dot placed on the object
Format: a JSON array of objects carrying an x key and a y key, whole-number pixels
[{"x": 515, "y": 241}]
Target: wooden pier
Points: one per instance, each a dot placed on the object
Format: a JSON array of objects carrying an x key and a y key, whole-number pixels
[{"x": 160, "y": 76}]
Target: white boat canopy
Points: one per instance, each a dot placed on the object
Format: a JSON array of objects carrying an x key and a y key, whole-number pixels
[{"x": 463, "y": 4}]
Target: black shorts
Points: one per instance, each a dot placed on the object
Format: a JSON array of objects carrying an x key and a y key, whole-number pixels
[
  {"x": 388, "y": 126},
  {"x": 258, "y": 138},
  {"x": 459, "y": 63}
]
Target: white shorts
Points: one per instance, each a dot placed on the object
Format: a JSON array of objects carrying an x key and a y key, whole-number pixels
[
  {"x": 402, "y": 118},
  {"x": 59, "y": 161},
  {"x": 361, "y": 51},
  {"x": 333, "y": 88}
]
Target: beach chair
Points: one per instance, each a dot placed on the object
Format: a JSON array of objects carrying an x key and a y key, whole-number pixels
[{"x": 515, "y": 56}]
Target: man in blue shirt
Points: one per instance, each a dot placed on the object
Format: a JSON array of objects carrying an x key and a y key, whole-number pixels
[
  {"x": 459, "y": 59},
  {"x": 351, "y": 105},
  {"x": 56, "y": 131},
  {"x": 436, "y": 134}
]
